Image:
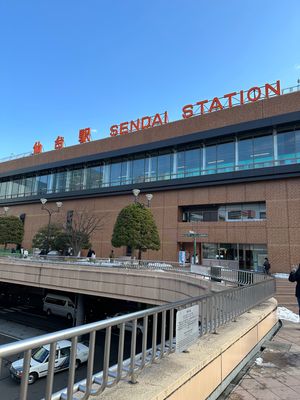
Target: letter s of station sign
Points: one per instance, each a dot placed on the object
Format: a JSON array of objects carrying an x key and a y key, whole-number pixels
[{"x": 229, "y": 100}]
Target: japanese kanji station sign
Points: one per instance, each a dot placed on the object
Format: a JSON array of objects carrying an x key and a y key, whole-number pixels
[{"x": 229, "y": 100}]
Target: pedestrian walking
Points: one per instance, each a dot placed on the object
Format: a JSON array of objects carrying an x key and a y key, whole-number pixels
[
  {"x": 89, "y": 254},
  {"x": 267, "y": 266},
  {"x": 295, "y": 277},
  {"x": 111, "y": 256}
]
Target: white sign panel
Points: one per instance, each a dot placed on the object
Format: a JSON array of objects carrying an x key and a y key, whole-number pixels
[{"x": 187, "y": 329}]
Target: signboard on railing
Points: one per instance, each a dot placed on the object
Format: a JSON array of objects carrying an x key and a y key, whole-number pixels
[{"x": 187, "y": 328}]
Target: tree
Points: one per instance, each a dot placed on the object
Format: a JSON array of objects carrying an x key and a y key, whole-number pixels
[
  {"x": 135, "y": 227},
  {"x": 79, "y": 230},
  {"x": 75, "y": 234},
  {"x": 11, "y": 230},
  {"x": 54, "y": 241}
]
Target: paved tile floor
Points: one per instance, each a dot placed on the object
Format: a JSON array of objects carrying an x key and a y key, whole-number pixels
[{"x": 277, "y": 375}]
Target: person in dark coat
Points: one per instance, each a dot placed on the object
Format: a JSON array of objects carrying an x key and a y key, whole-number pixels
[
  {"x": 90, "y": 252},
  {"x": 267, "y": 266},
  {"x": 295, "y": 277}
]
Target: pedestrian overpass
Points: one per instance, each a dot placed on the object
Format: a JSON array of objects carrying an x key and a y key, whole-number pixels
[{"x": 233, "y": 322}]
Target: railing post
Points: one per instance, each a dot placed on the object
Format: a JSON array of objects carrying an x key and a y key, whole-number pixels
[
  {"x": 154, "y": 337},
  {"x": 50, "y": 376},
  {"x": 132, "y": 353},
  {"x": 25, "y": 375},
  {"x": 72, "y": 367}
]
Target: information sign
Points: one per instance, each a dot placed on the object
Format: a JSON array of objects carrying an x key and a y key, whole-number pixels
[{"x": 187, "y": 329}]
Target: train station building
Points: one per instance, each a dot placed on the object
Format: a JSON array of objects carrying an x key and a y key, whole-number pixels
[{"x": 229, "y": 170}]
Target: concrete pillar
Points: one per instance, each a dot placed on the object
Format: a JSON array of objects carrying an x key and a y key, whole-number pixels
[{"x": 80, "y": 314}]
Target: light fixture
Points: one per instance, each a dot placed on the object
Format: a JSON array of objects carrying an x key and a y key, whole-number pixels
[
  {"x": 43, "y": 201},
  {"x": 149, "y": 196},
  {"x": 136, "y": 192},
  {"x": 59, "y": 204}
]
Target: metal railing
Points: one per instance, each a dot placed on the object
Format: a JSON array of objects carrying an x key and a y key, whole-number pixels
[
  {"x": 215, "y": 273},
  {"x": 156, "y": 338},
  {"x": 100, "y": 262}
]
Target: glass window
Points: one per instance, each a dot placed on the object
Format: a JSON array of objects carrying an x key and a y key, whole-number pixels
[
  {"x": 234, "y": 212},
  {"x": 245, "y": 154},
  {"x": 297, "y": 143},
  {"x": 179, "y": 164},
  {"x": 210, "y": 250},
  {"x": 138, "y": 170},
  {"x": 228, "y": 251},
  {"x": 225, "y": 157},
  {"x": 164, "y": 166},
  {"x": 65, "y": 352},
  {"x": 76, "y": 179},
  {"x": 28, "y": 186},
  {"x": 59, "y": 181},
  {"x": 94, "y": 177},
  {"x": 151, "y": 168},
  {"x": 106, "y": 175},
  {"x": 250, "y": 211},
  {"x": 126, "y": 172},
  {"x": 222, "y": 213},
  {"x": 115, "y": 174},
  {"x": 21, "y": 187},
  {"x": 42, "y": 182},
  {"x": 3, "y": 188},
  {"x": 193, "y": 162},
  {"x": 263, "y": 151},
  {"x": 286, "y": 145},
  {"x": 262, "y": 211},
  {"x": 210, "y": 159},
  {"x": 15, "y": 188}
]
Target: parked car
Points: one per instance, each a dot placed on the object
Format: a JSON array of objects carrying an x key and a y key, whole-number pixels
[
  {"x": 129, "y": 327},
  {"x": 40, "y": 357},
  {"x": 129, "y": 324},
  {"x": 57, "y": 304}
]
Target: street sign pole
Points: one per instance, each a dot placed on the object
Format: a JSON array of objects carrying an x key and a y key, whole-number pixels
[{"x": 194, "y": 235}]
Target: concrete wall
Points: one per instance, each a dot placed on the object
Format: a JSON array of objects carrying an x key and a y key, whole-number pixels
[
  {"x": 151, "y": 287},
  {"x": 203, "y": 370}
]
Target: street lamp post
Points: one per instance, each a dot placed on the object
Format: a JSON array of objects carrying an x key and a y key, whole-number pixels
[
  {"x": 50, "y": 211},
  {"x": 136, "y": 193},
  {"x": 194, "y": 236}
]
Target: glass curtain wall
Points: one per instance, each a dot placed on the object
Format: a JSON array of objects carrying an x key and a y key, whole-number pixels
[{"x": 242, "y": 153}]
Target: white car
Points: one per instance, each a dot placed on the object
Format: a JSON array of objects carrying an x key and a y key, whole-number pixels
[
  {"x": 129, "y": 325},
  {"x": 40, "y": 357}
]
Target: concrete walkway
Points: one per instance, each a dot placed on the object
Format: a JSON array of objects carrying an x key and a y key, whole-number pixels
[{"x": 276, "y": 373}]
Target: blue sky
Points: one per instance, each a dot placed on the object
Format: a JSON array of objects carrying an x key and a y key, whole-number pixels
[{"x": 70, "y": 64}]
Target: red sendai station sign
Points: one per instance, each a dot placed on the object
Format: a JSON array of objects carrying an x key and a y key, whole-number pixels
[{"x": 229, "y": 100}]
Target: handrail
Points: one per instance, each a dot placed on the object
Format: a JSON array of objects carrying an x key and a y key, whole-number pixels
[
  {"x": 215, "y": 310},
  {"x": 216, "y": 272}
]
